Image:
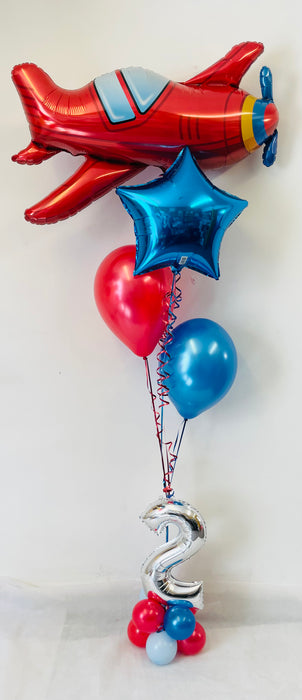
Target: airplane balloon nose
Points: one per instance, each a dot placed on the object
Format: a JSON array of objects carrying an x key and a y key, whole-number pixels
[{"x": 271, "y": 118}]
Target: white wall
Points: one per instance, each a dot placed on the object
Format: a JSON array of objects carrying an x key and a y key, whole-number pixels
[{"x": 78, "y": 453}]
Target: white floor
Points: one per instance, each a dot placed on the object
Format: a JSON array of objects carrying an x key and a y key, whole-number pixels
[{"x": 70, "y": 643}]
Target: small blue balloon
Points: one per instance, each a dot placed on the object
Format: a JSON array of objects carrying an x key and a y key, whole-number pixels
[
  {"x": 181, "y": 602},
  {"x": 161, "y": 649},
  {"x": 179, "y": 622},
  {"x": 202, "y": 366}
]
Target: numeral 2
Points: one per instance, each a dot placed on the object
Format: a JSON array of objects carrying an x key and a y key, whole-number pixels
[{"x": 156, "y": 571}]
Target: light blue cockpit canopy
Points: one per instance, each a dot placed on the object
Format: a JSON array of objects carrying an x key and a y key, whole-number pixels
[
  {"x": 144, "y": 86},
  {"x": 113, "y": 98}
]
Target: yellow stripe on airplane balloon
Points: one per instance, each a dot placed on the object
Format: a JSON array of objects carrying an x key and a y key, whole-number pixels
[{"x": 247, "y": 124}]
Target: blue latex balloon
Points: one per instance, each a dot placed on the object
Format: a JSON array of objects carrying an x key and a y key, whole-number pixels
[
  {"x": 202, "y": 366},
  {"x": 181, "y": 602},
  {"x": 161, "y": 649},
  {"x": 179, "y": 622},
  {"x": 180, "y": 218}
]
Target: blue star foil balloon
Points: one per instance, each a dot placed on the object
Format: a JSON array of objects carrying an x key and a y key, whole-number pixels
[{"x": 180, "y": 218}]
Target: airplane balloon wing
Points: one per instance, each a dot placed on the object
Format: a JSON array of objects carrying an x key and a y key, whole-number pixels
[{"x": 231, "y": 68}]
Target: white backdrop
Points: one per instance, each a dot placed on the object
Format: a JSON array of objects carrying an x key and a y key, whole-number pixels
[{"x": 78, "y": 455}]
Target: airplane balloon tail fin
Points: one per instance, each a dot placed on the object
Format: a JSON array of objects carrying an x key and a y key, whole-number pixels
[{"x": 33, "y": 85}]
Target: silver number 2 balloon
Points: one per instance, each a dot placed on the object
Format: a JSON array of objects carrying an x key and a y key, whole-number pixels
[{"x": 156, "y": 571}]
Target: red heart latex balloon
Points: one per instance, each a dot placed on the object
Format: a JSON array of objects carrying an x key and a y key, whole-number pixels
[{"x": 134, "y": 308}]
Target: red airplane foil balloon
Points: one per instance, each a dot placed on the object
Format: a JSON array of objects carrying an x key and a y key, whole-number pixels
[{"x": 128, "y": 119}]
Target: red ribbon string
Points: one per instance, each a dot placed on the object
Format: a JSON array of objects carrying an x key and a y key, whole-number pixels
[
  {"x": 156, "y": 413},
  {"x": 163, "y": 358},
  {"x": 168, "y": 450}
]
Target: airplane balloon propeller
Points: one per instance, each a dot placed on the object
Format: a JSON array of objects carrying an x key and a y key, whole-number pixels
[{"x": 128, "y": 119}]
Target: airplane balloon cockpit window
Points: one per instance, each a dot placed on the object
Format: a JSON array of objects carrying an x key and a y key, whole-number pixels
[
  {"x": 144, "y": 86},
  {"x": 113, "y": 98}
]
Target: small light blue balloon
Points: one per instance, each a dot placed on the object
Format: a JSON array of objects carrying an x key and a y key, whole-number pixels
[
  {"x": 161, "y": 649},
  {"x": 142, "y": 594}
]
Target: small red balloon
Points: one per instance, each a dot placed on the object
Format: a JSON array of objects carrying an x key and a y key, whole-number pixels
[
  {"x": 136, "y": 636},
  {"x": 193, "y": 644},
  {"x": 148, "y": 616},
  {"x": 157, "y": 598},
  {"x": 134, "y": 308}
]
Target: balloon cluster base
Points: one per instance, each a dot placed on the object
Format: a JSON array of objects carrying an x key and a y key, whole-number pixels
[{"x": 165, "y": 628}]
